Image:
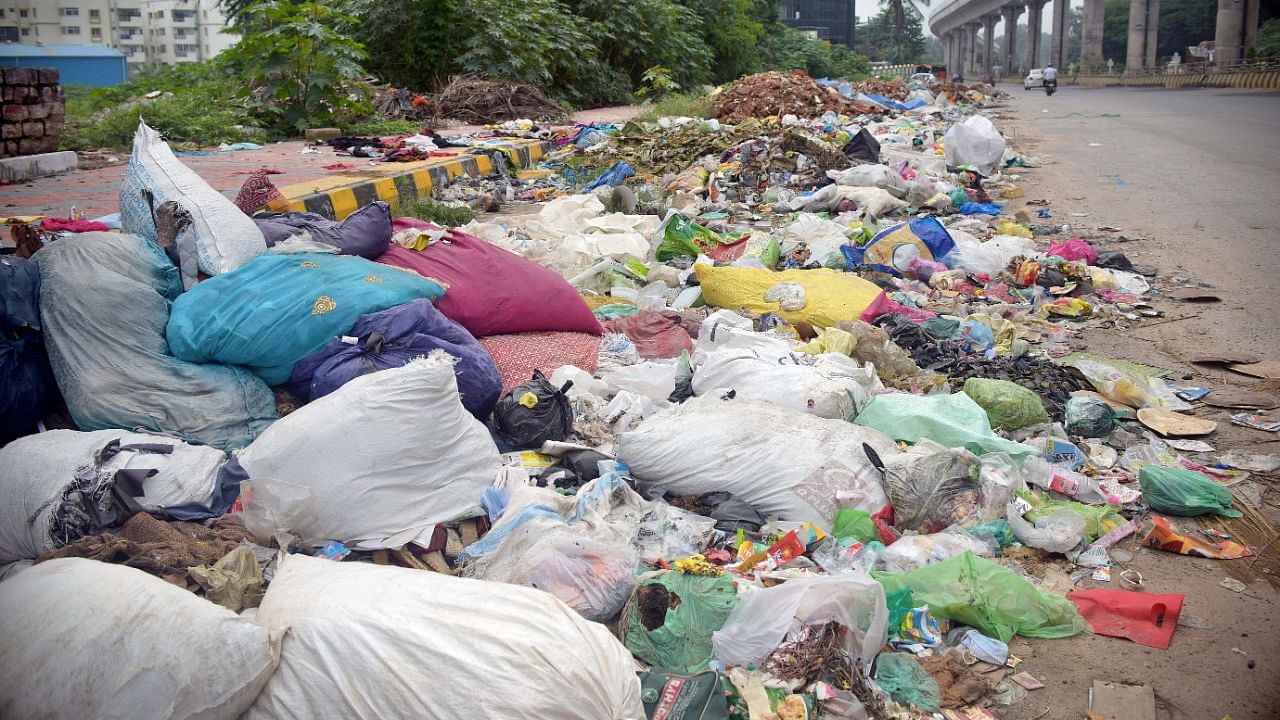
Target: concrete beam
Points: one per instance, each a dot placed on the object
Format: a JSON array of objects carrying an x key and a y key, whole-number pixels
[{"x": 18, "y": 169}]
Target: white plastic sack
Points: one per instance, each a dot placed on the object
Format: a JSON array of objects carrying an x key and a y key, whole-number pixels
[
  {"x": 915, "y": 551},
  {"x": 578, "y": 548},
  {"x": 387, "y": 453},
  {"x": 86, "y": 639},
  {"x": 369, "y": 642},
  {"x": 828, "y": 385},
  {"x": 35, "y": 471},
  {"x": 762, "y": 619},
  {"x": 654, "y": 379},
  {"x": 707, "y": 444},
  {"x": 974, "y": 142},
  {"x": 823, "y": 237},
  {"x": 873, "y": 201},
  {"x": 988, "y": 257},
  {"x": 878, "y": 176},
  {"x": 225, "y": 238}
]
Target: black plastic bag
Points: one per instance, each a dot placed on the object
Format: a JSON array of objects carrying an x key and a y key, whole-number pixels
[
  {"x": 533, "y": 413},
  {"x": 863, "y": 147}
]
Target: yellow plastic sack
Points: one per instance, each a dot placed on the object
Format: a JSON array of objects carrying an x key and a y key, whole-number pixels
[
  {"x": 829, "y": 295},
  {"x": 1004, "y": 331},
  {"x": 1012, "y": 228},
  {"x": 830, "y": 340}
]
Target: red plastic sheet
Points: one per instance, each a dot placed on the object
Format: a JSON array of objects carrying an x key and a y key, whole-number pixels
[
  {"x": 1145, "y": 618},
  {"x": 657, "y": 335}
]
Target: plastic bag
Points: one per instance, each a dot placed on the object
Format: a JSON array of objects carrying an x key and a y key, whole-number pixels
[
  {"x": 764, "y": 618},
  {"x": 949, "y": 420},
  {"x": 1120, "y": 385},
  {"x": 591, "y": 577},
  {"x": 667, "y": 533},
  {"x": 1099, "y": 519},
  {"x": 881, "y": 176},
  {"x": 1089, "y": 417},
  {"x": 932, "y": 487},
  {"x": 830, "y": 295},
  {"x": 854, "y": 523},
  {"x": 893, "y": 248},
  {"x": 1186, "y": 493},
  {"x": 1073, "y": 249},
  {"x": 990, "y": 257},
  {"x": 1009, "y": 405},
  {"x": 671, "y": 617},
  {"x": 827, "y": 385},
  {"x": 991, "y": 598},
  {"x": 976, "y": 142},
  {"x": 534, "y": 413},
  {"x": 916, "y": 551},
  {"x": 900, "y": 675},
  {"x": 682, "y": 237},
  {"x": 1058, "y": 531}
]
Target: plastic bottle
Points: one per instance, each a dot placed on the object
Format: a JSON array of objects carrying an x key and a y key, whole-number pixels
[{"x": 1065, "y": 481}]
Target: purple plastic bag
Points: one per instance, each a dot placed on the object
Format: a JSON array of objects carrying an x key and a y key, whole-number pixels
[{"x": 392, "y": 338}]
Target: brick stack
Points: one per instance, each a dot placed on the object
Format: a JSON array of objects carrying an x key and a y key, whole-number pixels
[{"x": 31, "y": 111}]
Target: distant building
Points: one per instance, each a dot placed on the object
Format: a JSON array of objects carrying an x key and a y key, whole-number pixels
[
  {"x": 96, "y": 65},
  {"x": 148, "y": 32},
  {"x": 831, "y": 20}
]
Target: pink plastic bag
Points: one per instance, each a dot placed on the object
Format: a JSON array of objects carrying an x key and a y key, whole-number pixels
[
  {"x": 1074, "y": 249},
  {"x": 885, "y": 305},
  {"x": 492, "y": 291}
]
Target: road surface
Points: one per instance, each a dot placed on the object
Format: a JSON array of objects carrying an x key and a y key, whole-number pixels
[{"x": 1193, "y": 173}]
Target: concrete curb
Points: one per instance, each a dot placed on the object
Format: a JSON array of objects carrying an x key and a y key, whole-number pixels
[
  {"x": 338, "y": 196},
  {"x": 29, "y": 167}
]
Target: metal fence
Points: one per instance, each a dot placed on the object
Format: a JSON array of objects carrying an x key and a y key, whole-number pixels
[{"x": 1258, "y": 73}]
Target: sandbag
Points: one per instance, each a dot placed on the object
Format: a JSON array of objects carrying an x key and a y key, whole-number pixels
[
  {"x": 495, "y": 292},
  {"x": 534, "y": 412},
  {"x": 578, "y": 548},
  {"x": 224, "y": 237},
  {"x": 976, "y": 142},
  {"x": 707, "y": 444},
  {"x": 827, "y": 385},
  {"x": 85, "y": 639},
  {"x": 104, "y": 304},
  {"x": 365, "y": 232},
  {"x": 389, "y": 452},
  {"x": 46, "y": 478},
  {"x": 278, "y": 309},
  {"x": 829, "y": 295},
  {"x": 447, "y": 647},
  {"x": 28, "y": 381},
  {"x": 392, "y": 338}
]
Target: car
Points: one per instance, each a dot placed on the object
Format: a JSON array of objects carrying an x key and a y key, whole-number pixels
[
  {"x": 922, "y": 78},
  {"x": 1035, "y": 78}
]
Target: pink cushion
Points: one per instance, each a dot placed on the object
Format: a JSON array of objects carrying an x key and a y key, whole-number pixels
[{"x": 492, "y": 291}]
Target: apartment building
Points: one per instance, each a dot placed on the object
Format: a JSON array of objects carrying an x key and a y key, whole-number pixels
[{"x": 148, "y": 32}]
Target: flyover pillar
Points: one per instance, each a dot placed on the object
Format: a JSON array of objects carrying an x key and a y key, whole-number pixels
[
  {"x": 988, "y": 38},
  {"x": 1011, "y": 13},
  {"x": 1144, "y": 20},
  {"x": 1033, "y": 32},
  {"x": 1091, "y": 43},
  {"x": 971, "y": 62},
  {"x": 1058, "y": 43},
  {"x": 1237, "y": 24}
]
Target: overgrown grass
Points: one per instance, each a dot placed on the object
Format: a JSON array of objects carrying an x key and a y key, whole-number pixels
[
  {"x": 378, "y": 127},
  {"x": 697, "y": 106},
  {"x": 435, "y": 211}
]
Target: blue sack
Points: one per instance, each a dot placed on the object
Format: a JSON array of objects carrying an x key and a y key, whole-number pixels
[
  {"x": 28, "y": 381},
  {"x": 613, "y": 177},
  {"x": 279, "y": 308},
  {"x": 392, "y": 338},
  {"x": 973, "y": 208},
  {"x": 893, "y": 248}
]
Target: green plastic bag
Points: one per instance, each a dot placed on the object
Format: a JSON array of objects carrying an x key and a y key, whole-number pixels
[
  {"x": 682, "y": 237},
  {"x": 991, "y": 598},
  {"x": 772, "y": 254},
  {"x": 899, "y": 602},
  {"x": 856, "y": 524},
  {"x": 902, "y": 676},
  {"x": 1186, "y": 493},
  {"x": 1099, "y": 519},
  {"x": 1008, "y": 404},
  {"x": 682, "y": 642},
  {"x": 950, "y": 420},
  {"x": 997, "y": 531}
]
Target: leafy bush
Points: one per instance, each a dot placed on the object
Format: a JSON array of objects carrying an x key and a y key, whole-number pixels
[
  {"x": 697, "y": 106},
  {"x": 378, "y": 127},
  {"x": 435, "y": 211}
]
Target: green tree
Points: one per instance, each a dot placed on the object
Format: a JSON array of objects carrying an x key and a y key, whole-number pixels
[
  {"x": 785, "y": 48},
  {"x": 1185, "y": 23},
  {"x": 1268, "y": 43},
  {"x": 639, "y": 34},
  {"x": 732, "y": 30},
  {"x": 1115, "y": 31},
  {"x": 878, "y": 38},
  {"x": 411, "y": 43},
  {"x": 302, "y": 71}
]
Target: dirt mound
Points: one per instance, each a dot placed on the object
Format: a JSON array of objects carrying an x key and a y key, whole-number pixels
[
  {"x": 893, "y": 89},
  {"x": 477, "y": 100},
  {"x": 776, "y": 93}
]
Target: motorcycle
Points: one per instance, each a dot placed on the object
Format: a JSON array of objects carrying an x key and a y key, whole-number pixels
[{"x": 1050, "y": 87}]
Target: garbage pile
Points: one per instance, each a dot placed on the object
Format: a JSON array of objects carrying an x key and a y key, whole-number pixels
[
  {"x": 479, "y": 100},
  {"x": 775, "y": 93},
  {"x": 806, "y": 428}
]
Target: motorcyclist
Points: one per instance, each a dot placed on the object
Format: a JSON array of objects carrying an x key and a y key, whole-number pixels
[{"x": 1050, "y": 79}]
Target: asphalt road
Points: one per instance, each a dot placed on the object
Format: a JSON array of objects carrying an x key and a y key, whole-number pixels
[
  {"x": 1191, "y": 178},
  {"x": 1194, "y": 170}
]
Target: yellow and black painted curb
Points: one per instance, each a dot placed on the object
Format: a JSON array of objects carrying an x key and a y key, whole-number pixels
[{"x": 338, "y": 196}]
